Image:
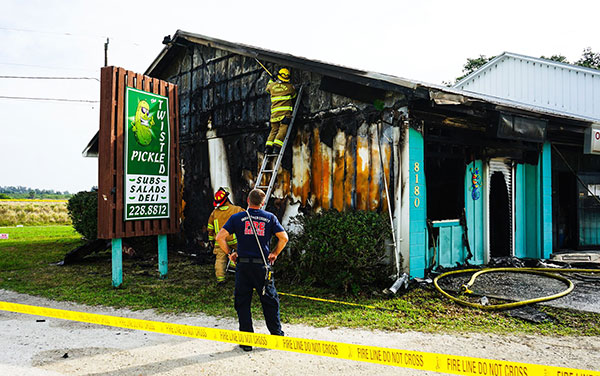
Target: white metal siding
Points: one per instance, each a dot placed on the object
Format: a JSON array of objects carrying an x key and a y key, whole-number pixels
[{"x": 540, "y": 83}]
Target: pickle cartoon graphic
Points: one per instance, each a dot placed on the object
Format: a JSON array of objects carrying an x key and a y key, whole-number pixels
[{"x": 142, "y": 125}]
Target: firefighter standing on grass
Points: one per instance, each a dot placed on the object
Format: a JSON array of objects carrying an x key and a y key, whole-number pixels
[
  {"x": 220, "y": 215},
  {"x": 282, "y": 95},
  {"x": 254, "y": 229}
]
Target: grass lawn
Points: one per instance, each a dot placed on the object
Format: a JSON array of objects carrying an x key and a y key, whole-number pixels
[{"x": 27, "y": 265}]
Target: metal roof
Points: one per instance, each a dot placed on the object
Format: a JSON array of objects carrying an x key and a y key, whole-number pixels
[
  {"x": 565, "y": 89},
  {"x": 439, "y": 93}
]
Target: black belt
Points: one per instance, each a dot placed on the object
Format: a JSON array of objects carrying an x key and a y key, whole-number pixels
[{"x": 250, "y": 260}]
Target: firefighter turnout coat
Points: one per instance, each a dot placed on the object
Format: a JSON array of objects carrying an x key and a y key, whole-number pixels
[
  {"x": 217, "y": 219},
  {"x": 282, "y": 94}
]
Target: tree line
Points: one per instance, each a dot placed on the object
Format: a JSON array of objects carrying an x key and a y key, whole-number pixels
[{"x": 20, "y": 192}]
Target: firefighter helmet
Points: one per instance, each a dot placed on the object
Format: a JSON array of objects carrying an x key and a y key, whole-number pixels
[
  {"x": 221, "y": 197},
  {"x": 284, "y": 74}
]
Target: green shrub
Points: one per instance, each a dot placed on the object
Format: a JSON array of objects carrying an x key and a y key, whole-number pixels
[
  {"x": 341, "y": 251},
  {"x": 83, "y": 210},
  {"x": 4, "y": 196}
]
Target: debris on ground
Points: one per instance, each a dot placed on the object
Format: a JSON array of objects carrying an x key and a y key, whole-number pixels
[
  {"x": 88, "y": 248},
  {"x": 591, "y": 257},
  {"x": 531, "y": 314}
]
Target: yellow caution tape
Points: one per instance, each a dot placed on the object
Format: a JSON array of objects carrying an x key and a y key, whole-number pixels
[
  {"x": 336, "y": 301},
  {"x": 457, "y": 365}
]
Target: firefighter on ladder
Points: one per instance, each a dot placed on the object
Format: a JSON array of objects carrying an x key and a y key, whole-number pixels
[
  {"x": 282, "y": 95},
  {"x": 223, "y": 210}
]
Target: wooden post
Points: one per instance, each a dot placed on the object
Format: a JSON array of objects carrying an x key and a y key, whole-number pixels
[
  {"x": 162, "y": 256},
  {"x": 117, "y": 262}
]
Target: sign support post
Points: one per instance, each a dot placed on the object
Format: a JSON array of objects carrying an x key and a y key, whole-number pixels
[
  {"x": 117, "y": 262},
  {"x": 162, "y": 256}
]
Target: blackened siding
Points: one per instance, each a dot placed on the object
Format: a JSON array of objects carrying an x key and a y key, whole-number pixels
[{"x": 332, "y": 160}]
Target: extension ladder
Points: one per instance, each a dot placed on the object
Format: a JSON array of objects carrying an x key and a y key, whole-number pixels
[{"x": 264, "y": 169}]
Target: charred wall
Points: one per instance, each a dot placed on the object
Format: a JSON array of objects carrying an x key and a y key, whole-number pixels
[{"x": 332, "y": 159}]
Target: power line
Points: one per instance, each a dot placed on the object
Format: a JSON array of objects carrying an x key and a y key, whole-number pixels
[
  {"x": 50, "y": 78},
  {"x": 50, "y": 99},
  {"x": 49, "y": 67},
  {"x": 52, "y": 32},
  {"x": 66, "y": 34}
]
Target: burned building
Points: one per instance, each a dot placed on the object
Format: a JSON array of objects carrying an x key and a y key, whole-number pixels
[
  {"x": 333, "y": 159},
  {"x": 568, "y": 90},
  {"x": 469, "y": 175}
]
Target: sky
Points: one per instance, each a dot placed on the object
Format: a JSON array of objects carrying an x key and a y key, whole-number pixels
[{"x": 41, "y": 141}]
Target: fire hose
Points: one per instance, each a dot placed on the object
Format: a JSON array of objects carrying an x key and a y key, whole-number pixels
[{"x": 550, "y": 273}]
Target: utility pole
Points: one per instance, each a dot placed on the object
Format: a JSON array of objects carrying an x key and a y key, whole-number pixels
[{"x": 106, "y": 53}]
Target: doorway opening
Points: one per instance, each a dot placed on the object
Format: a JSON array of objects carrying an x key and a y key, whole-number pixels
[
  {"x": 500, "y": 214},
  {"x": 568, "y": 231}
]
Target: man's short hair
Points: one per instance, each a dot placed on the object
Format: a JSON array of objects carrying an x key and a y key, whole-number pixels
[{"x": 256, "y": 197}]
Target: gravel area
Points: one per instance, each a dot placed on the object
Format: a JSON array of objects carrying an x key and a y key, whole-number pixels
[
  {"x": 519, "y": 286},
  {"x": 33, "y": 345}
]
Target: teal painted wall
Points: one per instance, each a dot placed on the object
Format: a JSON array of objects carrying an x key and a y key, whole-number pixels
[
  {"x": 533, "y": 207},
  {"x": 474, "y": 209},
  {"x": 546, "y": 199},
  {"x": 418, "y": 205},
  {"x": 526, "y": 211}
]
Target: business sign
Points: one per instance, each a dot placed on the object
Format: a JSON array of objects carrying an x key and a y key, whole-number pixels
[
  {"x": 147, "y": 147},
  {"x": 591, "y": 143}
]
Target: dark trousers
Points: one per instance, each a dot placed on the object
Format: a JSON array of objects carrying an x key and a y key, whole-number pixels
[{"x": 249, "y": 277}]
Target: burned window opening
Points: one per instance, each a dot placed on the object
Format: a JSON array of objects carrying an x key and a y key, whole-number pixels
[
  {"x": 445, "y": 186},
  {"x": 573, "y": 206}
]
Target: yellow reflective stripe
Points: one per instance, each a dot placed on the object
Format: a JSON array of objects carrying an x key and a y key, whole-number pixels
[
  {"x": 281, "y": 98},
  {"x": 211, "y": 226},
  {"x": 211, "y": 237},
  {"x": 233, "y": 236},
  {"x": 224, "y": 208},
  {"x": 280, "y": 143},
  {"x": 216, "y": 225},
  {"x": 282, "y": 108},
  {"x": 269, "y": 143},
  {"x": 232, "y": 242},
  {"x": 278, "y": 118}
]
